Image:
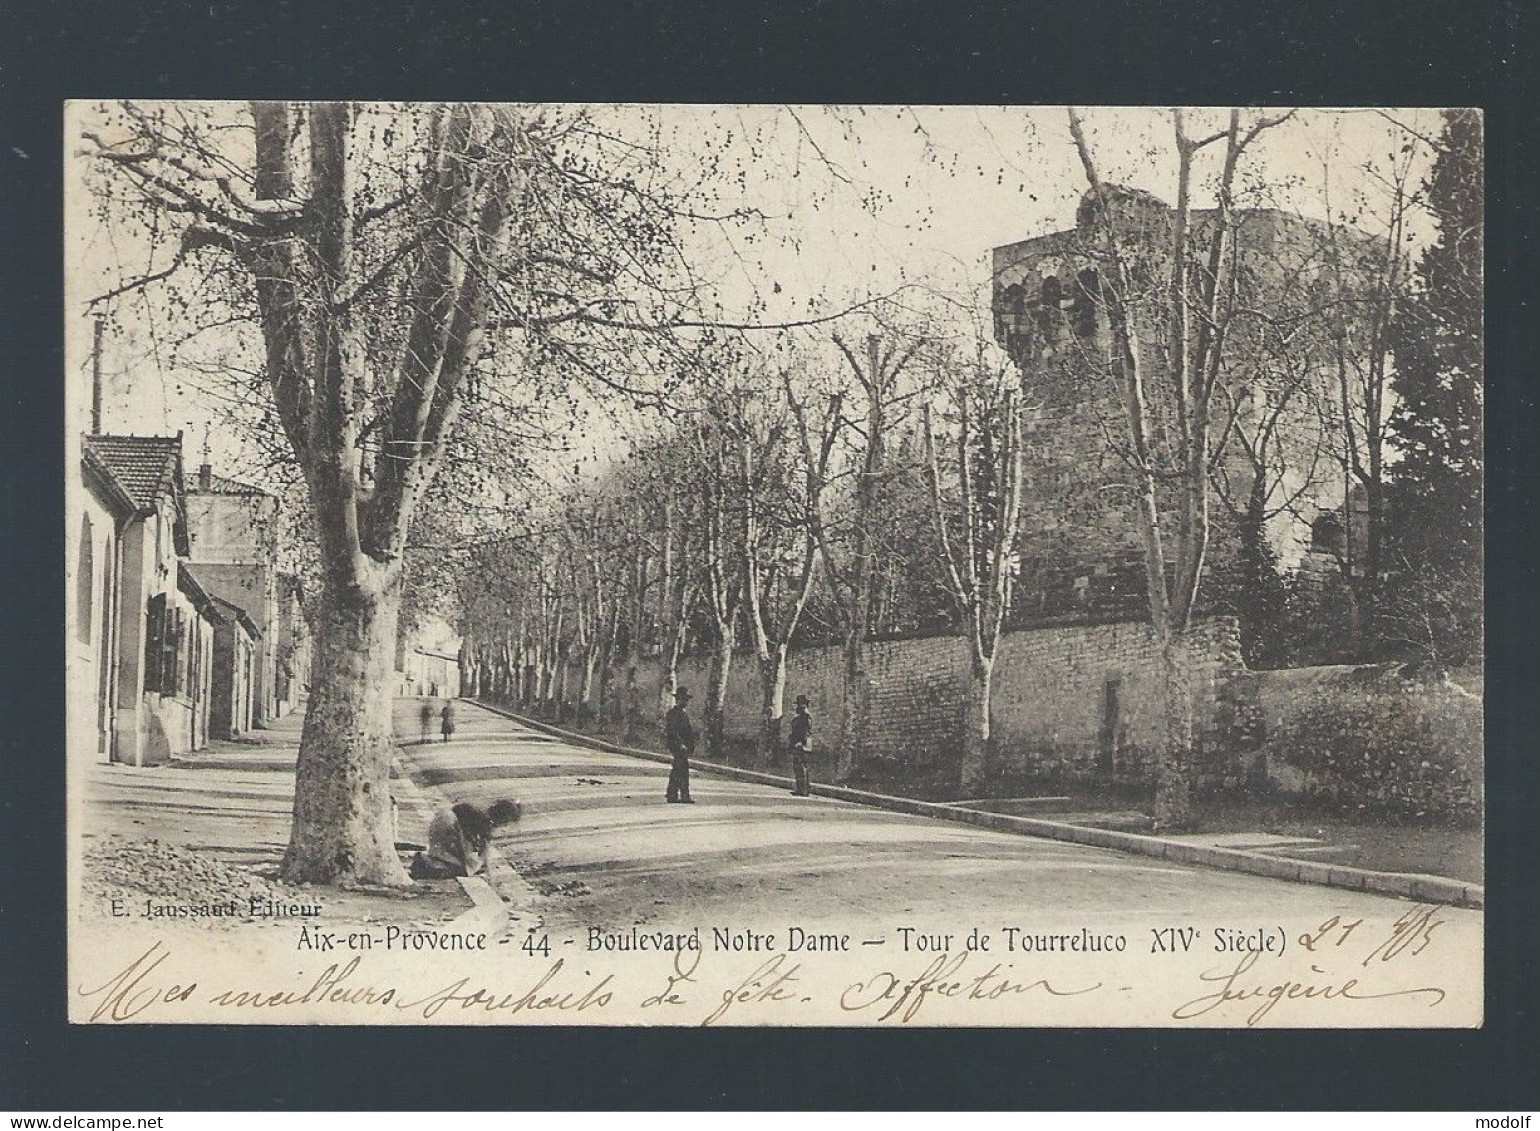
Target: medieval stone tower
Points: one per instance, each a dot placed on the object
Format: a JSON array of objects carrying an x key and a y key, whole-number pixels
[{"x": 1279, "y": 461}]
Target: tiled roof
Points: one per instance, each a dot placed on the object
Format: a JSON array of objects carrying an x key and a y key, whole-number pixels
[
  {"x": 95, "y": 472},
  {"x": 221, "y": 485},
  {"x": 145, "y": 467},
  {"x": 231, "y": 611},
  {"x": 228, "y": 585},
  {"x": 188, "y": 582}
]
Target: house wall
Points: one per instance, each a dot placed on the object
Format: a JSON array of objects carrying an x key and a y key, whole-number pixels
[
  {"x": 255, "y": 589},
  {"x": 430, "y": 675},
  {"x": 150, "y": 727},
  {"x": 91, "y": 625},
  {"x": 203, "y": 678},
  {"x": 232, "y": 529},
  {"x": 234, "y": 545},
  {"x": 222, "y": 679},
  {"x": 245, "y": 690},
  {"x": 292, "y": 672},
  {"x": 233, "y": 693},
  {"x": 134, "y": 590}
]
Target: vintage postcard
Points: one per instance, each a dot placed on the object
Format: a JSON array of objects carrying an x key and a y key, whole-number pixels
[{"x": 774, "y": 565}]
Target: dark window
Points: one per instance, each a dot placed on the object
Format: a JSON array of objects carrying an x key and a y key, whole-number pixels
[
  {"x": 1088, "y": 291},
  {"x": 190, "y": 658},
  {"x": 165, "y": 626},
  {"x": 1053, "y": 293},
  {"x": 1326, "y": 534}
]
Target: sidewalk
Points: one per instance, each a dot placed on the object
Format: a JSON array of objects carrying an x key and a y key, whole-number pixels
[{"x": 213, "y": 824}]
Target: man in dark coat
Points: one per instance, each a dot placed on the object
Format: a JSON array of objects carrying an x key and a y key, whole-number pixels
[
  {"x": 800, "y": 740},
  {"x": 679, "y": 738}
]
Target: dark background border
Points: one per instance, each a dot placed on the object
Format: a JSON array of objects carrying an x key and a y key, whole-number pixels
[{"x": 1431, "y": 52}]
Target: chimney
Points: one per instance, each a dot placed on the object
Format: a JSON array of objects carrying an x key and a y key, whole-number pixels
[
  {"x": 96, "y": 377},
  {"x": 205, "y": 476}
]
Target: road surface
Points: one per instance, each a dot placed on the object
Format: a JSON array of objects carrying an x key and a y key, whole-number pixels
[{"x": 603, "y": 848}]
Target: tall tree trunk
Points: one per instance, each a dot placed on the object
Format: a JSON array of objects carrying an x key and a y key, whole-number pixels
[
  {"x": 585, "y": 705},
  {"x": 977, "y": 740},
  {"x": 560, "y": 685},
  {"x": 1173, "y": 771},
  {"x": 772, "y": 683},
  {"x": 852, "y": 728},
  {"x": 673, "y": 651},
  {"x": 545, "y": 682},
  {"x": 716, "y": 692},
  {"x": 343, "y": 828},
  {"x": 632, "y": 705},
  {"x": 465, "y": 661}
]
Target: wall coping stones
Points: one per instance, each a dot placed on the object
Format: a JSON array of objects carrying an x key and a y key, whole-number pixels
[{"x": 1429, "y": 889}]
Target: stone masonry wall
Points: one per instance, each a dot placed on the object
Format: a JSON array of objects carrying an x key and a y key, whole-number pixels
[
  {"x": 1050, "y": 697},
  {"x": 1079, "y": 702},
  {"x": 1075, "y": 702}
]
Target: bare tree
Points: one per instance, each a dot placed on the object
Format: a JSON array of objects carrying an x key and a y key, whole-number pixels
[
  {"x": 1194, "y": 311},
  {"x": 781, "y": 549},
  {"x": 391, "y": 259},
  {"x": 850, "y": 554},
  {"x": 977, "y": 503},
  {"x": 1371, "y": 281},
  {"x": 718, "y": 499}
]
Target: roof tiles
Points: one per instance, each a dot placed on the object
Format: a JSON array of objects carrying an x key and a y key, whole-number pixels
[{"x": 145, "y": 467}]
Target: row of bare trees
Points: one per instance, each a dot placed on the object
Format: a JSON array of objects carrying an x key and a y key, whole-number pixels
[
  {"x": 401, "y": 278},
  {"x": 775, "y": 499},
  {"x": 780, "y": 506},
  {"x": 768, "y": 491}
]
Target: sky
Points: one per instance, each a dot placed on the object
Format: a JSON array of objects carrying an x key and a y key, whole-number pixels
[
  {"x": 858, "y": 201},
  {"x": 954, "y": 182}
]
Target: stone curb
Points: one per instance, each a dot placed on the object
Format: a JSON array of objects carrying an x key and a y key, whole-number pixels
[{"x": 1426, "y": 889}]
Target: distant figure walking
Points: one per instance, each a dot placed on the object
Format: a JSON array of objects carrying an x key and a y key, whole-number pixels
[
  {"x": 446, "y": 724},
  {"x": 458, "y": 839},
  {"x": 799, "y": 741},
  {"x": 427, "y": 719},
  {"x": 679, "y": 737}
]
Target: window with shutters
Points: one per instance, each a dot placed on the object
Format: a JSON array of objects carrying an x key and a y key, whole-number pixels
[
  {"x": 190, "y": 664},
  {"x": 173, "y": 660},
  {"x": 155, "y": 643}
]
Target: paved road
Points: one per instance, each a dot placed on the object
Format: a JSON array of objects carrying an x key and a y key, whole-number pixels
[{"x": 601, "y": 845}]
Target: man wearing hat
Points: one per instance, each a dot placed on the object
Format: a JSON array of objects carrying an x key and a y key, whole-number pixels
[
  {"x": 679, "y": 737},
  {"x": 799, "y": 740}
]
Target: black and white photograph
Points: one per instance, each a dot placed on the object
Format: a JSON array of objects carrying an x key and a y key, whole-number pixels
[{"x": 774, "y": 565}]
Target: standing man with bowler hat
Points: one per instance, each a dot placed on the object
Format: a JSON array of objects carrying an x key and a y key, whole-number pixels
[
  {"x": 799, "y": 741},
  {"x": 679, "y": 737}
]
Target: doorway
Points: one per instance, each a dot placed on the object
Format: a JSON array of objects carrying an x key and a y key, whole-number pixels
[{"x": 1111, "y": 726}]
